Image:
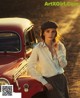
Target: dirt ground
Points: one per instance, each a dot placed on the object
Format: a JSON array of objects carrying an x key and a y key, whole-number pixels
[
  {"x": 73, "y": 76},
  {"x": 73, "y": 55}
]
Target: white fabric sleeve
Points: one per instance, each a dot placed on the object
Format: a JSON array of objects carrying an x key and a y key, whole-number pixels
[
  {"x": 32, "y": 62},
  {"x": 61, "y": 54}
]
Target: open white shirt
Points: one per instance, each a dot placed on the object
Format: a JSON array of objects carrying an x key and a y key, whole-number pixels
[{"x": 41, "y": 63}]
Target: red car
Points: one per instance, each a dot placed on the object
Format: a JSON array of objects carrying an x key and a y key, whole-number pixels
[{"x": 17, "y": 39}]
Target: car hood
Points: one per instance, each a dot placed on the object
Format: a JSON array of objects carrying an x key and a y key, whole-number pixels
[{"x": 13, "y": 67}]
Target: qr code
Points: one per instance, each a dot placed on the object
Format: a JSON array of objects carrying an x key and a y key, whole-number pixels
[{"x": 7, "y": 90}]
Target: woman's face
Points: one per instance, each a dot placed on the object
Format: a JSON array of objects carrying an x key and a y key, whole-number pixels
[{"x": 49, "y": 34}]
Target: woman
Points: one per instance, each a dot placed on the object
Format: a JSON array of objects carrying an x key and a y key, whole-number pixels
[{"x": 47, "y": 61}]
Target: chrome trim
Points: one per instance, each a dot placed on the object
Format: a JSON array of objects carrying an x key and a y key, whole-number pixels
[
  {"x": 19, "y": 71},
  {"x": 2, "y": 78}
]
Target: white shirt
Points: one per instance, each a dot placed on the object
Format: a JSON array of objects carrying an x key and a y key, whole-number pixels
[{"x": 41, "y": 63}]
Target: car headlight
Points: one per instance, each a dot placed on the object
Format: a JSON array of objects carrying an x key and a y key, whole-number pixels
[{"x": 4, "y": 81}]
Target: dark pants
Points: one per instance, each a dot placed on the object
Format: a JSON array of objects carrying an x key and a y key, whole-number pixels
[{"x": 59, "y": 84}]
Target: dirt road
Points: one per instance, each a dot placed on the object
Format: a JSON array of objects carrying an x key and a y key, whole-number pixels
[{"x": 73, "y": 55}]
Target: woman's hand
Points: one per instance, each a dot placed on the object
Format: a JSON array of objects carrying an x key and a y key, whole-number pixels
[{"x": 48, "y": 86}]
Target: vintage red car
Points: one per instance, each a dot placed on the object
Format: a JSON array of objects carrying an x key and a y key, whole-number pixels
[{"x": 17, "y": 39}]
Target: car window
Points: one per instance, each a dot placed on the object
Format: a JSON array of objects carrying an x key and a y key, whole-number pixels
[
  {"x": 30, "y": 39},
  {"x": 9, "y": 42}
]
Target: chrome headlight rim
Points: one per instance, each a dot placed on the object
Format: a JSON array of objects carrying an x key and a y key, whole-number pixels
[{"x": 5, "y": 80}]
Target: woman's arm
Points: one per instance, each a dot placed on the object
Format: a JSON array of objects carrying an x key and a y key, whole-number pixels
[
  {"x": 32, "y": 62},
  {"x": 61, "y": 55}
]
